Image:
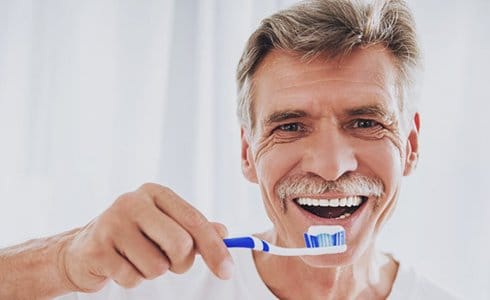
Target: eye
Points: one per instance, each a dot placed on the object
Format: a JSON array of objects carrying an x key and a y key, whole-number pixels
[
  {"x": 365, "y": 123},
  {"x": 290, "y": 127}
]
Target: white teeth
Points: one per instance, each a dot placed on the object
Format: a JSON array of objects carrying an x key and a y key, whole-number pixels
[
  {"x": 335, "y": 202},
  {"x": 324, "y": 202}
]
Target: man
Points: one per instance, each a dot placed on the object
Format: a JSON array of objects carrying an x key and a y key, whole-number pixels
[{"x": 329, "y": 127}]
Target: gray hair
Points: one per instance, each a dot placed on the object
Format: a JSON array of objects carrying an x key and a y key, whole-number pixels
[{"x": 333, "y": 28}]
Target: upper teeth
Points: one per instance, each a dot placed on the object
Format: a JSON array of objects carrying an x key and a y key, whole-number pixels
[{"x": 342, "y": 202}]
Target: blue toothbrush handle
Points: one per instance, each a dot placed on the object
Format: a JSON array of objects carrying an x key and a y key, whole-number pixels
[
  {"x": 240, "y": 242},
  {"x": 249, "y": 242}
]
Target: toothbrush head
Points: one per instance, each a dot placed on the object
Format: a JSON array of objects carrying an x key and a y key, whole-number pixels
[{"x": 325, "y": 236}]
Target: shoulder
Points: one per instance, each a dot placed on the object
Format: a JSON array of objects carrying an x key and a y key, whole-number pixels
[{"x": 410, "y": 285}]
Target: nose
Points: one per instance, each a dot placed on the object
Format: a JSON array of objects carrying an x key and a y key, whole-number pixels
[{"x": 329, "y": 155}]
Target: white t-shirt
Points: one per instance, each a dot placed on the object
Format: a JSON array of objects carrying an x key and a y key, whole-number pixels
[{"x": 200, "y": 283}]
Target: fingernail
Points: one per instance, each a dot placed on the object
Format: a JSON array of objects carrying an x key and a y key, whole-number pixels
[{"x": 226, "y": 269}]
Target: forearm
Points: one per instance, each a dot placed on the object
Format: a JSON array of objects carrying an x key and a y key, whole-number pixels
[{"x": 34, "y": 269}]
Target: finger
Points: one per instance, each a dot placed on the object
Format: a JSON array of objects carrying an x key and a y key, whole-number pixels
[
  {"x": 143, "y": 254},
  {"x": 171, "y": 238},
  {"x": 209, "y": 243},
  {"x": 119, "y": 269},
  {"x": 220, "y": 229}
]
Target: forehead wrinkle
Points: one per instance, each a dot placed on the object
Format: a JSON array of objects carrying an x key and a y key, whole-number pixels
[
  {"x": 299, "y": 85},
  {"x": 302, "y": 74},
  {"x": 291, "y": 71},
  {"x": 297, "y": 81}
]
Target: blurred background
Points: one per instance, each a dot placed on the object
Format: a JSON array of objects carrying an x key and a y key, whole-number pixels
[{"x": 100, "y": 96}]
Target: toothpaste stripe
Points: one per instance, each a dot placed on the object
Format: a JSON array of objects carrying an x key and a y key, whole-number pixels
[{"x": 307, "y": 240}]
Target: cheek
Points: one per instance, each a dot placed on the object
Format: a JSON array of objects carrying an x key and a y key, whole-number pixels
[
  {"x": 272, "y": 166},
  {"x": 384, "y": 156},
  {"x": 383, "y": 159}
]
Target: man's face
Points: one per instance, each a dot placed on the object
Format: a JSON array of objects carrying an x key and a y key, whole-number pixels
[{"x": 328, "y": 130}]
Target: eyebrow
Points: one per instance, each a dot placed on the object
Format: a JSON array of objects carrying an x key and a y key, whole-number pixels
[
  {"x": 370, "y": 110},
  {"x": 283, "y": 115}
]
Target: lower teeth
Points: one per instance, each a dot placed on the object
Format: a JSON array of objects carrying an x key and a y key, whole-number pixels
[{"x": 343, "y": 216}]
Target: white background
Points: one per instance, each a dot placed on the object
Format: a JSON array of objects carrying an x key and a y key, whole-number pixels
[{"x": 98, "y": 97}]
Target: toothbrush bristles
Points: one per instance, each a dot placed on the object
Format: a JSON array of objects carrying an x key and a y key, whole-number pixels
[{"x": 324, "y": 239}]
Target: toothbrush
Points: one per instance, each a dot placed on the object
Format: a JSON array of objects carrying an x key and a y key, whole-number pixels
[{"x": 320, "y": 239}]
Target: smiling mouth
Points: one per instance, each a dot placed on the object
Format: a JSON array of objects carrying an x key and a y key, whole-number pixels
[{"x": 337, "y": 208}]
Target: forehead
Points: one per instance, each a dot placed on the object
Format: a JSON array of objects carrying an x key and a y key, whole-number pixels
[{"x": 284, "y": 81}]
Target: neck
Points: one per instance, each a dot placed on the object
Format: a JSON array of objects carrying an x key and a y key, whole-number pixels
[{"x": 369, "y": 277}]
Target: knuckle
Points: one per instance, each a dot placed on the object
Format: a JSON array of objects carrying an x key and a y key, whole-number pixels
[
  {"x": 119, "y": 271},
  {"x": 129, "y": 204},
  {"x": 133, "y": 282},
  {"x": 181, "y": 254},
  {"x": 193, "y": 218},
  {"x": 125, "y": 276},
  {"x": 126, "y": 200},
  {"x": 158, "y": 268},
  {"x": 183, "y": 245},
  {"x": 105, "y": 230},
  {"x": 157, "y": 191},
  {"x": 150, "y": 186},
  {"x": 184, "y": 265},
  {"x": 130, "y": 283}
]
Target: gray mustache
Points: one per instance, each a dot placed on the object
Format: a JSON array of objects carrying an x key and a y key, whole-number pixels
[{"x": 349, "y": 184}]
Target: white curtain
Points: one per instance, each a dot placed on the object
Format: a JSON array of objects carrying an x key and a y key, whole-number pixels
[{"x": 98, "y": 97}]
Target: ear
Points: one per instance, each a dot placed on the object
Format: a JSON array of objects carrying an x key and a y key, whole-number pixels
[
  {"x": 412, "y": 149},
  {"x": 248, "y": 163}
]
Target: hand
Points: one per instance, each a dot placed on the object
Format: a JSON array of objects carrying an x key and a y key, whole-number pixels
[{"x": 142, "y": 235}]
